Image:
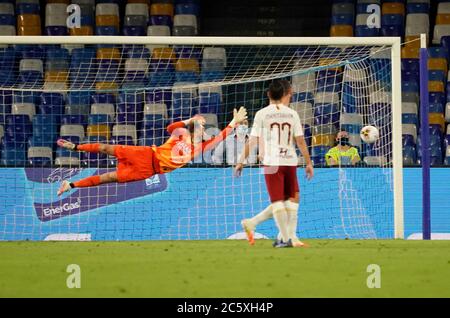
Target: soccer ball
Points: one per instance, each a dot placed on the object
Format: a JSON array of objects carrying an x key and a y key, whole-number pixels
[{"x": 369, "y": 134}]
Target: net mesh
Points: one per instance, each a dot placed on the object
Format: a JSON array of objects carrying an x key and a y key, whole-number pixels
[{"x": 128, "y": 94}]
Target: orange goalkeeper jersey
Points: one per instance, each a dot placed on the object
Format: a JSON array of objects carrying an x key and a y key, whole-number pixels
[{"x": 176, "y": 152}]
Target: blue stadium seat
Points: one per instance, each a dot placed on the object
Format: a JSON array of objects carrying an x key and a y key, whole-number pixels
[
  {"x": 326, "y": 114},
  {"x": 74, "y": 119},
  {"x": 99, "y": 119},
  {"x": 13, "y": 156},
  {"x": 342, "y": 19},
  {"x": 7, "y": 19},
  {"x": 106, "y": 30},
  {"x": 82, "y": 67},
  {"x": 418, "y": 8},
  {"x": 410, "y": 119},
  {"x": 56, "y": 30},
  {"x": 134, "y": 31},
  {"x": 435, "y": 97},
  {"x": 187, "y": 8},
  {"x": 40, "y": 141},
  {"x": 79, "y": 98},
  {"x": 306, "y": 97},
  {"x": 436, "y": 108},
  {"x": 210, "y": 103},
  {"x": 410, "y": 86},
  {"x": 27, "y": 8},
  {"x": 437, "y": 75},
  {"x": 410, "y": 65},
  {"x": 318, "y": 155},
  {"x": 161, "y": 20},
  {"x": 410, "y": 76},
  {"x": 392, "y": 19},
  {"x": 392, "y": 30},
  {"x": 103, "y": 98},
  {"x": 329, "y": 81},
  {"x": 159, "y": 96},
  {"x": 122, "y": 140},
  {"x": 365, "y": 31},
  {"x": 408, "y": 140},
  {"x": 438, "y": 52}
]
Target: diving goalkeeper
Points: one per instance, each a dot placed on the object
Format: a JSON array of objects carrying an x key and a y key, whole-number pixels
[{"x": 141, "y": 162}]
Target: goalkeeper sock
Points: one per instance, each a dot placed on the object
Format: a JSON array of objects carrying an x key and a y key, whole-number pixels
[
  {"x": 280, "y": 216},
  {"x": 292, "y": 212},
  {"x": 86, "y": 182},
  {"x": 262, "y": 216},
  {"x": 88, "y": 147}
]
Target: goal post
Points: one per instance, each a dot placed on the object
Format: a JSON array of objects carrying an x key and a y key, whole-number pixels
[{"x": 125, "y": 90}]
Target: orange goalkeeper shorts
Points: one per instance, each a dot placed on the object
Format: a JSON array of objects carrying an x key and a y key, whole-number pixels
[{"x": 135, "y": 163}]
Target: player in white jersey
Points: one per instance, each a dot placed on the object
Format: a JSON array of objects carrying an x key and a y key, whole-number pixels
[{"x": 277, "y": 129}]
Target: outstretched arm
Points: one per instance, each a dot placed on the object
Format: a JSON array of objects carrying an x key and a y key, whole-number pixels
[{"x": 238, "y": 117}]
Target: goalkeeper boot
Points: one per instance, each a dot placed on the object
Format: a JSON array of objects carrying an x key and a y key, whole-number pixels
[
  {"x": 249, "y": 229},
  {"x": 66, "y": 144},
  {"x": 65, "y": 186}
]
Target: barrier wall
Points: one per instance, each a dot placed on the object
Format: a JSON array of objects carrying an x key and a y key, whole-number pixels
[{"x": 208, "y": 203}]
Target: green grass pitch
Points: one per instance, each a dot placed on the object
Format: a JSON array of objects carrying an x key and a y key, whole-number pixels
[{"x": 329, "y": 268}]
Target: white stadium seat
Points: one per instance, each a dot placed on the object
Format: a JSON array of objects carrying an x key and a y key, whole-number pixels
[
  {"x": 417, "y": 23},
  {"x": 125, "y": 130},
  {"x": 409, "y": 108},
  {"x": 72, "y": 130},
  {"x": 305, "y": 112},
  {"x": 136, "y": 9},
  {"x": 40, "y": 152},
  {"x": 107, "y": 9},
  {"x": 24, "y": 109},
  {"x": 31, "y": 65},
  {"x": 55, "y": 9},
  {"x": 107, "y": 109},
  {"x": 440, "y": 30},
  {"x": 156, "y": 109}
]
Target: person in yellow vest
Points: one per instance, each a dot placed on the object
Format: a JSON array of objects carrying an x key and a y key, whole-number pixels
[{"x": 343, "y": 153}]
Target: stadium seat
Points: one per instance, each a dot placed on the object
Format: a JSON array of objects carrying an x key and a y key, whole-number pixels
[
  {"x": 443, "y": 7},
  {"x": 162, "y": 9},
  {"x": 439, "y": 64},
  {"x": 72, "y": 130},
  {"x": 437, "y": 119},
  {"x": 440, "y": 30},
  {"x": 323, "y": 140},
  {"x": 305, "y": 112},
  {"x": 393, "y": 8},
  {"x": 318, "y": 155},
  {"x": 343, "y": 8},
  {"x": 107, "y": 109},
  {"x": 341, "y": 30},
  {"x": 351, "y": 122},
  {"x": 40, "y": 156},
  {"x": 410, "y": 52},
  {"x": 411, "y": 130},
  {"x": 28, "y": 109},
  {"x": 158, "y": 30},
  {"x": 417, "y": 24},
  {"x": 184, "y": 25},
  {"x": 125, "y": 131},
  {"x": 161, "y": 20},
  {"x": 137, "y": 9},
  {"x": 187, "y": 8},
  {"x": 342, "y": 19},
  {"x": 156, "y": 109},
  {"x": 377, "y": 161},
  {"x": 107, "y": 20},
  {"x": 98, "y": 130},
  {"x": 409, "y": 155}
]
